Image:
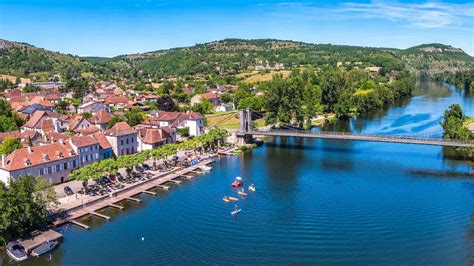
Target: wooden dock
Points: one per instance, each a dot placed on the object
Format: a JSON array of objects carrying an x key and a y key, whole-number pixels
[
  {"x": 101, "y": 215},
  {"x": 163, "y": 187},
  {"x": 149, "y": 192},
  {"x": 116, "y": 206},
  {"x": 126, "y": 194},
  {"x": 133, "y": 199},
  {"x": 34, "y": 241},
  {"x": 85, "y": 226},
  {"x": 177, "y": 182}
]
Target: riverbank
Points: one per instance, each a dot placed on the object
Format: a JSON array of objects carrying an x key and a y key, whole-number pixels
[{"x": 72, "y": 207}]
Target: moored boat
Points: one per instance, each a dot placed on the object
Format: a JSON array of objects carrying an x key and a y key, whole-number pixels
[
  {"x": 205, "y": 168},
  {"x": 234, "y": 213},
  {"x": 44, "y": 248},
  {"x": 233, "y": 198},
  {"x": 16, "y": 251}
]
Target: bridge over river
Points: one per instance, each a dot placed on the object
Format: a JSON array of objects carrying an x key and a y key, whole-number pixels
[{"x": 246, "y": 132}]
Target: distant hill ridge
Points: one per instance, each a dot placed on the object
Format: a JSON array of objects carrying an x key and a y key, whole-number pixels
[{"x": 232, "y": 56}]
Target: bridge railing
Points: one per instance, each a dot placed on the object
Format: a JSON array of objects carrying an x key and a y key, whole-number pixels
[{"x": 335, "y": 133}]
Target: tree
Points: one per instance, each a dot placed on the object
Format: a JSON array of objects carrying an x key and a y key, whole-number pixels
[
  {"x": 10, "y": 144},
  {"x": 254, "y": 103},
  {"x": 166, "y": 103},
  {"x": 62, "y": 106},
  {"x": 79, "y": 86},
  {"x": 23, "y": 206},
  {"x": 135, "y": 116},
  {"x": 7, "y": 124},
  {"x": 226, "y": 98},
  {"x": 344, "y": 107},
  {"x": 87, "y": 115},
  {"x": 453, "y": 124},
  {"x": 284, "y": 101},
  {"x": 166, "y": 88},
  {"x": 5, "y": 108},
  {"x": 204, "y": 107},
  {"x": 115, "y": 120},
  {"x": 333, "y": 83},
  {"x": 239, "y": 95},
  {"x": 183, "y": 132}
]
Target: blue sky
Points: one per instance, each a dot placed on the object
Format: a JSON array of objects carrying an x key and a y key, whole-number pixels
[{"x": 114, "y": 27}]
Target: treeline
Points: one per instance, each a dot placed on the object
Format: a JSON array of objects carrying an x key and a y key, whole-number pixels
[
  {"x": 306, "y": 93},
  {"x": 461, "y": 79}
]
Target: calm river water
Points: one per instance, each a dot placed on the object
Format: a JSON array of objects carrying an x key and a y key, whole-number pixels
[{"x": 317, "y": 201}]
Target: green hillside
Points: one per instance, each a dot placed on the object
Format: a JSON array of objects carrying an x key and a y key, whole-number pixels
[{"x": 228, "y": 58}]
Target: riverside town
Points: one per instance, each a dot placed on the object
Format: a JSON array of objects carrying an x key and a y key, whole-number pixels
[{"x": 139, "y": 133}]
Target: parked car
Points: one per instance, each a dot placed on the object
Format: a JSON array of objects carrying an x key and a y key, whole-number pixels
[{"x": 68, "y": 190}]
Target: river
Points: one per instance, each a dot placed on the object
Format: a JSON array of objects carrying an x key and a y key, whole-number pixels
[{"x": 317, "y": 201}]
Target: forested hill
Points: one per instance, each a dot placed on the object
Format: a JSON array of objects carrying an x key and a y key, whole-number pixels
[
  {"x": 21, "y": 59},
  {"x": 229, "y": 57},
  {"x": 233, "y": 56},
  {"x": 436, "y": 58}
]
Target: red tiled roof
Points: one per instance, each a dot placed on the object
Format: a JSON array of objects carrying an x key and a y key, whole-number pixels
[
  {"x": 120, "y": 129},
  {"x": 38, "y": 155},
  {"x": 151, "y": 135},
  {"x": 83, "y": 141},
  {"x": 101, "y": 117},
  {"x": 87, "y": 130},
  {"x": 52, "y": 97},
  {"x": 75, "y": 121},
  {"x": 209, "y": 96},
  {"x": 116, "y": 100},
  {"x": 35, "y": 119},
  {"x": 103, "y": 142}
]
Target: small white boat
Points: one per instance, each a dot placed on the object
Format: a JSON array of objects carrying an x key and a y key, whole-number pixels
[
  {"x": 252, "y": 188},
  {"x": 16, "y": 251},
  {"x": 205, "y": 168},
  {"x": 234, "y": 213}
]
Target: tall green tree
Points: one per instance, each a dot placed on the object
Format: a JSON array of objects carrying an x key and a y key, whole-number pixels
[{"x": 23, "y": 206}]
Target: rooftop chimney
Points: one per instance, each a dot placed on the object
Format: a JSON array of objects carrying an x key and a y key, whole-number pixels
[{"x": 30, "y": 150}]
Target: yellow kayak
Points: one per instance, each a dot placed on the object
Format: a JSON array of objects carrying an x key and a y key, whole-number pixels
[{"x": 226, "y": 200}]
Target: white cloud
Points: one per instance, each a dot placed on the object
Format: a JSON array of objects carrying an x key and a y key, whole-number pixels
[{"x": 421, "y": 15}]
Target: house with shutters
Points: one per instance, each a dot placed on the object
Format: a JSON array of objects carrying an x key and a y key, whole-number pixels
[
  {"x": 53, "y": 161},
  {"x": 122, "y": 138}
]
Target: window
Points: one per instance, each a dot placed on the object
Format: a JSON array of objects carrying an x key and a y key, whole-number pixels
[
  {"x": 74, "y": 164},
  {"x": 58, "y": 168},
  {"x": 127, "y": 141},
  {"x": 65, "y": 166},
  {"x": 45, "y": 170},
  {"x": 132, "y": 150},
  {"x": 128, "y": 151},
  {"x": 50, "y": 169},
  {"x": 121, "y": 142}
]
